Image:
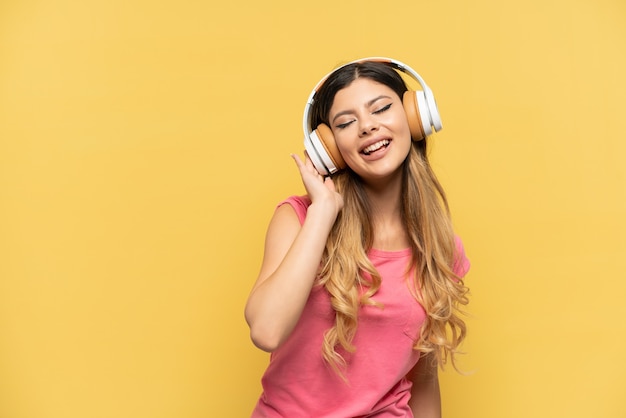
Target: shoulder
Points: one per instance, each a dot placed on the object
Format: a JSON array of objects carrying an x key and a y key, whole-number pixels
[
  {"x": 300, "y": 204},
  {"x": 461, "y": 262},
  {"x": 288, "y": 218}
]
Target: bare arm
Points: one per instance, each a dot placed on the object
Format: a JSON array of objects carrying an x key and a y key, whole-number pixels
[
  {"x": 291, "y": 262},
  {"x": 425, "y": 395}
]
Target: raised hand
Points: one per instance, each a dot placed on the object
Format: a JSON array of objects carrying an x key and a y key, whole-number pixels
[{"x": 319, "y": 189}]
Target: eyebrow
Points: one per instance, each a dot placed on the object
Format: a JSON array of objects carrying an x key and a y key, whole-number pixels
[{"x": 371, "y": 102}]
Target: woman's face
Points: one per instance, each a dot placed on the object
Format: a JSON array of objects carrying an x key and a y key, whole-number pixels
[{"x": 371, "y": 129}]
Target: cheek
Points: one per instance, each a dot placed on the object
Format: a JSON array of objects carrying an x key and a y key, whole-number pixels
[
  {"x": 344, "y": 145},
  {"x": 403, "y": 124},
  {"x": 406, "y": 132},
  {"x": 404, "y": 144},
  {"x": 407, "y": 146}
]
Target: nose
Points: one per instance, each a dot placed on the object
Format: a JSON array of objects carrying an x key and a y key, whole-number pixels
[{"x": 367, "y": 124}]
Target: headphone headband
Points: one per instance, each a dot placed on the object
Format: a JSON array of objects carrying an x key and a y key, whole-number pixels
[{"x": 389, "y": 61}]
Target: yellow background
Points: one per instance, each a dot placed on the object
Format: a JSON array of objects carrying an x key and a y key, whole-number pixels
[{"x": 144, "y": 144}]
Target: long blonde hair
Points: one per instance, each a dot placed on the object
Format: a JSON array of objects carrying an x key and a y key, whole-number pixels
[{"x": 425, "y": 213}]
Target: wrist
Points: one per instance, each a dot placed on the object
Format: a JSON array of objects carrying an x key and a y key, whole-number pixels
[{"x": 323, "y": 210}]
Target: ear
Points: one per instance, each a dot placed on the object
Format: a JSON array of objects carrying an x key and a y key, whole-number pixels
[
  {"x": 412, "y": 110},
  {"x": 327, "y": 139}
]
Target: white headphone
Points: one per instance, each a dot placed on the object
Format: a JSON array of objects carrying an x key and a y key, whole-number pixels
[{"x": 420, "y": 108}]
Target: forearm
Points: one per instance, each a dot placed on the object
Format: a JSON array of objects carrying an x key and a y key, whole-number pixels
[
  {"x": 425, "y": 399},
  {"x": 275, "y": 305}
]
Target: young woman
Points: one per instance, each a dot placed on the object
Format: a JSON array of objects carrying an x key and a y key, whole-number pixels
[{"x": 359, "y": 291}]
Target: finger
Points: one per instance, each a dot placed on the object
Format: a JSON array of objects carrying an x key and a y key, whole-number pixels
[
  {"x": 306, "y": 165},
  {"x": 329, "y": 183},
  {"x": 308, "y": 161},
  {"x": 298, "y": 161}
]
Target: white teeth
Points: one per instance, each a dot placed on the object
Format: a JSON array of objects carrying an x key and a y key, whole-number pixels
[{"x": 376, "y": 146}]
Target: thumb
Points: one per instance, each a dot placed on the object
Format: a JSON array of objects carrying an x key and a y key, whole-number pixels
[{"x": 329, "y": 183}]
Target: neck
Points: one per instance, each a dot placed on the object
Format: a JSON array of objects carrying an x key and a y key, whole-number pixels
[
  {"x": 385, "y": 196},
  {"x": 386, "y": 203}
]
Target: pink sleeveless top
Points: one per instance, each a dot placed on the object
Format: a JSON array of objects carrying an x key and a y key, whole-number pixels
[{"x": 299, "y": 383}]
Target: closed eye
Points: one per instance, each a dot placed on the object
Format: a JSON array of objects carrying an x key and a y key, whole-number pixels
[
  {"x": 383, "y": 109},
  {"x": 344, "y": 125},
  {"x": 376, "y": 112}
]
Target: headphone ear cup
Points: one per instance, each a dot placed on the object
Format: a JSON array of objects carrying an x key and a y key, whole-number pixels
[
  {"x": 327, "y": 139},
  {"x": 413, "y": 114}
]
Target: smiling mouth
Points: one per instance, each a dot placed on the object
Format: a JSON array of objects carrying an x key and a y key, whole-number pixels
[{"x": 375, "y": 147}]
